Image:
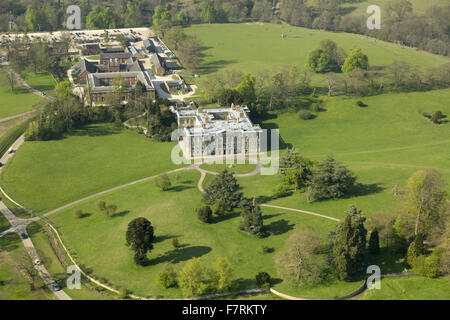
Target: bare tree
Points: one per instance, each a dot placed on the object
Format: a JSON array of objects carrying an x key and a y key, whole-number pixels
[
  {"x": 10, "y": 75},
  {"x": 26, "y": 266}
]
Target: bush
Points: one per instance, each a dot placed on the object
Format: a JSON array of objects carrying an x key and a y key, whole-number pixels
[
  {"x": 315, "y": 107},
  {"x": 168, "y": 277},
  {"x": 432, "y": 263},
  {"x": 361, "y": 104},
  {"x": 163, "y": 182},
  {"x": 265, "y": 249},
  {"x": 204, "y": 214},
  {"x": 78, "y": 213},
  {"x": 262, "y": 279},
  {"x": 281, "y": 190},
  {"x": 124, "y": 293},
  {"x": 436, "y": 117},
  {"x": 101, "y": 205},
  {"x": 305, "y": 115},
  {"x": 175, "y": 243},
  {"x": 220, "y": 207}
]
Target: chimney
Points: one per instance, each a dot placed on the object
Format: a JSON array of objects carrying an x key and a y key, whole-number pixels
[
  {"x": 232, "y": 106},
  {"x": 200, "y": 110},
  {"x": 238, "y": 108},
  {"x": 242, "y": 115},
  {"x": 204, "y": 126}
]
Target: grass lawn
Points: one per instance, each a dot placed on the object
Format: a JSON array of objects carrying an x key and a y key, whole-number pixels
[
  {"x": 13, "y": 285},
  {"x": 410, "y": 288},
  {"x": 100, "y": 247},
  {"x": 54, "y": 267},
  {"x": 252, "y": 47},
  {"x": 235, "y": 168},
  {"x": 359, "y": 8},
  {"x": 40, "y": 81},
  {"x": 92, "y": 159},
  {"x": 15, "y": 102}
]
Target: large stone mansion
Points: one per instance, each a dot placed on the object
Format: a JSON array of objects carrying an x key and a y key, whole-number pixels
[{"x": 218, "y": 132}]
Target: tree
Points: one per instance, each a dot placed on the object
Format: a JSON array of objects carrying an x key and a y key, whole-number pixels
[
  {"x": 222, "y": 274},
  {"x": 348, "y": 245},
  {"x": 191, "y": 279},
  {"x": 78, "y": 213},
  {"x": 63, "y": 90},
  {"x": 123, "y": 40},
  {"x": 262, "y": 10},
  {"x": 436, "y": 117},
  {"x": 139, "y": 237},
  {"x": 110, "y": 210},
  {"x": 246, "y": 89},
  {"x": 224, "y": 187},
  {"x": 163, "y": 182},
  {"x": 101, "y": 205},
  {"x": 263, "y": 279},
  {"x": 189, "y": 52},
  {"x": 319, "y": 61},
  {"x": 425, "y": 198},
  {"x": 182, "y": 18},
  {"x": 331, "y": 180},
  {"x": 229, "y": 96},
  {"x": 415, "y": 249},
  {"x": 168, "y": 277},
  {"x": 11, "y": 77},
  {"x": 251, "y": 217},
  {"x": 397, "y": 10},
  {"x": 374, "y": 242},
  {"x": 355, "y": 60},
  {"x": 299, "y": 262},
  {"x": 101, "y": 18},
  {"x": 295, "y": 170},
  {"x": 162, "y": 19},
  {"x": 204, "y": 214},
  {"x": 26, "y": 265},
  {"x": 208, "y": 12}
]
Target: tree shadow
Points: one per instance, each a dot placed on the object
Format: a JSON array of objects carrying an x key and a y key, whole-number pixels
[
  {"x": 360, "y": 189},
  {"x": 388, "y": 260},
  {"x": 180, "y": 188},
  {"x": 85, "y": 215},
  {"x": 224, "y": 217},
  {"x": 10, "y": 242},
  {"x": 264, "y": 199},
  {"x": 120, "y": 214},
  {"x": 179, "y": 255},
  {"x": 164, "y": 238},
  {"x": 214, "y": 66},
  {"x": 95, "y": 131},
  {"x": 279, "y": 227}
]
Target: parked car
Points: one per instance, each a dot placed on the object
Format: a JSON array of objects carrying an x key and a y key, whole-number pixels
[
  {"x": 23, "y": 235},
  {"x": 10, "y": 150},
  {"x": 55, "y": 286},
  {"x": 37, "y": 262}
]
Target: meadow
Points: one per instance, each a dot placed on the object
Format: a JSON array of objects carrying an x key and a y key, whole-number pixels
[
  {"x": 17, "y": 101},
  {"x": 383, "y": 143}
]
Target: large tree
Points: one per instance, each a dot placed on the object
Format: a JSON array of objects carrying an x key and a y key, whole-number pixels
[
  {"x": 330, "y": 180},
  {"x": 224, "y": 187},
  {"x": 299, "y": 262},
  {"x": 295, "y": 170},
  {"x": 348, "y": 245},
  {"x": 355, "y": 60},
  {"x": 139, "y": 237},
  {"x": 426, "y": 199},
  {"x": 251, "y": 217}
]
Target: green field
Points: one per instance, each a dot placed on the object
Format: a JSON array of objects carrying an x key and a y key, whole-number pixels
[
  {"x": 94, "y": 158},
  {"x": 384, "y": 144},
  {"x": 254, "y": 47},
  {"x": 15, "y": 102},
  {"x": 410, "y": 288}
]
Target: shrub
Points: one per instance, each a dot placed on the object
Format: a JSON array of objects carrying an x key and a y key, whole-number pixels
[
  {"x": 124, "y": 293},
  {"x": 281, "y": 190},
  {"x": 220, "y": 208},
  {"x": 163, "y": 182},
  {"x": 436, "y": 117},
  {"x": 265, "y": 249},
  {"x": 175, "y": 243},
  {"x": 431, "y": 265},
  {"x": 168, "y": 277},
  {"x": 374, "y": 242},
  {"x": 305, "y": 115},
  {"x": 101, "y": 205},
  {"x": 315, "y": 107},
  {"x": 204, "y": 214},
  {"x": 361, "y": 104},
  {"x": 262, "y": 279},
  {"x": 78, "y": 213}
]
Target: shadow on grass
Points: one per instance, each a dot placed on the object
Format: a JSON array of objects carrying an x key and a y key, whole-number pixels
[
  {"x": 120, "y": 214},
  {"x": 228, "y": 216},
  {"x": 360, "y": 189},
  {"x": 179, "y": 255},
  {"x": 279, "y": 227},
  {"x": 95, "y": 131},
  {"x": 180, "y": 188},
  {"x": 164, "y": 238},
  {"x": 10, "y": 242}
]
